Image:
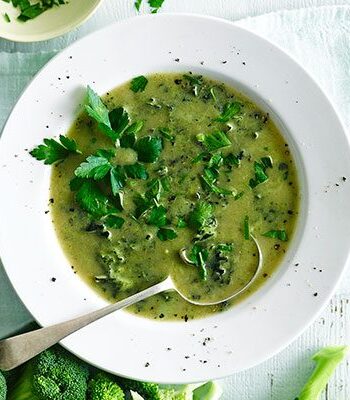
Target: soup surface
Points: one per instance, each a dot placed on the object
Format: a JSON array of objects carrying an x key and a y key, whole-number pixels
[{"x": 197, "y": 168}]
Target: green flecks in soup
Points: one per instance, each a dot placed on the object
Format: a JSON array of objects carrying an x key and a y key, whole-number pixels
[{"x": 174, "y": 177}]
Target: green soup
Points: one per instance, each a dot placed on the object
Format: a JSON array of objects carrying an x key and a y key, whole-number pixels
[{"x": 206, "y": 170}]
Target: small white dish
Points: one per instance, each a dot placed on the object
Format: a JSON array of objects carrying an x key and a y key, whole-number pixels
[
  {"x": 49, "y": 24},
  {"x": 173, "y": 352}
]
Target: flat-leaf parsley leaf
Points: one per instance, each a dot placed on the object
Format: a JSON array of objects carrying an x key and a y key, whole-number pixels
[
  {"x": 138, "y": 84},
  {"x": 155, "y": 4},
  {"x": 158, "y": 217},
  {"x": 201, "y": 215},
  {"x": 277, "y": 234},
  {"x": 91, "y": 199},
  {"x": 214, "y": 141},
  {"x": 136, "y": 171},
  {"x": 166, "y": 234},
  {"x": 52, "y": 151},
  {"x": 96, "y": 108},
  {"x": 95, "y": 167},
  {"x": 117, "y": 176},
  {"x": 148, "y": 148},
  {"x": 229, "y": 111}
]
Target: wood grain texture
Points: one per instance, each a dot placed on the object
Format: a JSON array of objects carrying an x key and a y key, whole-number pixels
[{"x": 281, "y": 377}]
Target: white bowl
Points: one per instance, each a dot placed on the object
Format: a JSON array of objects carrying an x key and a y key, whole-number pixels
[
  {"x": 265, "y": 322},
  {"x": 49, "y": 24}
]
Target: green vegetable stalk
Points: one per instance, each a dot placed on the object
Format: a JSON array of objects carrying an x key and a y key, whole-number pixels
[
  {"x": 208, "y": 391},
  {"x": 326, "y": 360}
]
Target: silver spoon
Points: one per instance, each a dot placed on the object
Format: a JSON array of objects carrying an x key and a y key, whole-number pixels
[{"x": 18, "y": 349}]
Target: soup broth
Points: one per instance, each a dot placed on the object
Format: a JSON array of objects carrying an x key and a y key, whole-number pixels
[{"x": 212, "y": 170}]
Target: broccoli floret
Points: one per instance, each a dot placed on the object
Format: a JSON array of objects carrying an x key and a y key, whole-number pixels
[
  {"x": 52, "y": 375},
  {"x": 104, "y": 387},
  {"x": 114, "y": 264},
  {"x": 149, "y": 391},
  {"x": 3, "y": 387}
]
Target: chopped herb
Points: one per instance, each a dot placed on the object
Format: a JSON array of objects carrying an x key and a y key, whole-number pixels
[
  {"x": 136, "y": 171},
  {"x": 128, "y": 138},
  {"x": 95, "y": 167},
  {"x": 267, "y": 162},
  {"x": 232, "y": 160},
  {"x": 195, "y": 81},
  {"x": 201, "y": 215},
  {"x": 209, "y": 185},
  {"x": 119, "y": 120},
  {"x": 156, "y": 188},
  {"x": 156, "y": 5},
  {"x": 165, "y": 180},
  {"x": 166, "y": 133},
  {"x": 166, "y": 234},
  {"x": 76, "y": 183},
  {"x": 149, "y": 148},
  {"x": 7, "y": 17},
  {"x": 246, "y": 230},
  {"x": 52, "y": 151},
  {"x": 225, "y": 247},
  {"x": 92, "y": 200},
  {"x": 229, "y": 111},
  {"x": 134, "y": 128},
  {"x": 117, "y": 176},
  {"x": 142, "y": 205},
  {"x": 138, "y": 4},
  {"x": 200, "y": 157},
  {"x": 138, "y": 84},
  {"x": 216, "y": 160},
  {"x": 96, "y": 108},
  {"x": 199, "y": 256},
  {"x": 113, "y": 221},
  {"x": 211, "y": 174},
  {"x": 106, "y": 153},
  {"x": 181, "y": 223},
  {"x": 260, "y": 175},
  {"x": 158, "y": 217},
  {"x": 238, "y": 195},
  {"x": 214, "y": 141},
  {"x": 30, "y": 11},
  {"x": 277, "y": 234}
]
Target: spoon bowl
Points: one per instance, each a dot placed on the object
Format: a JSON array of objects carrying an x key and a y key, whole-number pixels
[{"x": 227, "y": 294}]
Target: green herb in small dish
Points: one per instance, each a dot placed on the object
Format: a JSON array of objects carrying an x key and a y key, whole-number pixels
[{"x": 30, "y": 10}]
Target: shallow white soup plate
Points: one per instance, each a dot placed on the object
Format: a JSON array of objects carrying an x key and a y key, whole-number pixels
[{"x": 265, "y": 322}]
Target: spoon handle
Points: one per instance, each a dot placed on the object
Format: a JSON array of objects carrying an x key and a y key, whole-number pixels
[{"x": 18, "y": 349}]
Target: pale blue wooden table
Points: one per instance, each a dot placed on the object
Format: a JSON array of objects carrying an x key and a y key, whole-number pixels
[{"x": 281, "y": 377}]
